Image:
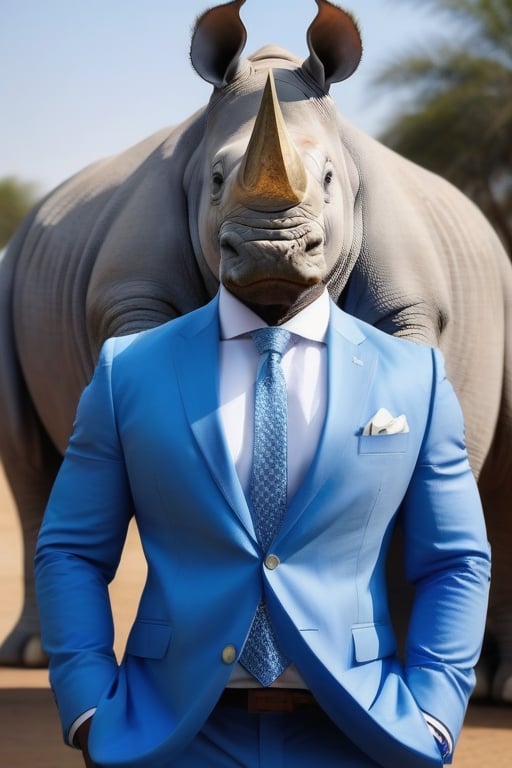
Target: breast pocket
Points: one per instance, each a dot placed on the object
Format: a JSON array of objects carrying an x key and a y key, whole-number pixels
[
  {"x": 149, "y": 639},
  {"x": 383, "y": 444}
]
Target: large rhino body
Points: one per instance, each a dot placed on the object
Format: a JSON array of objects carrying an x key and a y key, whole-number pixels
[{"x": 134, "y": 241}]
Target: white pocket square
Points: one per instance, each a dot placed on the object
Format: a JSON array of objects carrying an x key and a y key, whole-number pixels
[{"x": 383, "y": 423}]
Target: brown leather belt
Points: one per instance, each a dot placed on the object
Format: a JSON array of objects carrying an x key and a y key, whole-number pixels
[{"x": 260, "y": 700}]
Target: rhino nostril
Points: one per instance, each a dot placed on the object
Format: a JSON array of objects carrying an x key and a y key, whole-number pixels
[
  {"x": 313, "y": 243},
  {"x": 228, "y": 249}
]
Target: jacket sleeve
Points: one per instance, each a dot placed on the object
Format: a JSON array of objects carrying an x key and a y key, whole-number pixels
[
  {"x": 447, "y": 559},
  {"x": 78, "y": 551}
]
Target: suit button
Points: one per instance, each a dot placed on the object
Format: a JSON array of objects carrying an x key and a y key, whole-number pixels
[
  {"x": 272, "y": 561},
  {"x": 229, "y": 654}
]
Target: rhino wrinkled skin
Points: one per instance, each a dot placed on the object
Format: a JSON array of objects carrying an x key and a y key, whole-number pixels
[{"x": 304, "y": 199}]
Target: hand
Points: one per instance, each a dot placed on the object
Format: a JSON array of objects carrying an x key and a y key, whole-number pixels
[{"x": 82, "y": 740}]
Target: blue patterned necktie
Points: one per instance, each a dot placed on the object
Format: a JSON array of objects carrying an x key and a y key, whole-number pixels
[{"x": 261, "y": 655}]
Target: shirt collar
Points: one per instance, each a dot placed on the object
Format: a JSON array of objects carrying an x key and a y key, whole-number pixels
[{"x": 236, "y": 319}]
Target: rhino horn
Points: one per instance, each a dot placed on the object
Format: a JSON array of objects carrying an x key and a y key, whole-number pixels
[{"x": 272, "y": 176}]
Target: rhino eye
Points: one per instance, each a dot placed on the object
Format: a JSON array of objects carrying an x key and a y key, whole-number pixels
[
  {"x": 328, "y": 176},
  {"x": 217, "y": 181},
  {"x": 328, "y": 179}
]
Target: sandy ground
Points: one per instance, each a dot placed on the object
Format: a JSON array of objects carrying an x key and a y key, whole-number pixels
[{"x": 29, "y": 730}]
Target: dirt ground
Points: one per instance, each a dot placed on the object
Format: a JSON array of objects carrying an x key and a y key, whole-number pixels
[{"x": 29, "y": 730}]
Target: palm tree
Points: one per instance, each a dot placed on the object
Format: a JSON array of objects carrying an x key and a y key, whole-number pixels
[{"x": 458, "y": 121}]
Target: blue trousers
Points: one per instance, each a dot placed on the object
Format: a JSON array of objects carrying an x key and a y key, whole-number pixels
[{"x": 233, "y": 738}]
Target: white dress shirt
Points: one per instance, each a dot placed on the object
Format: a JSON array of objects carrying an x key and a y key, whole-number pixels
[
  {"x": 305, "y": 370},
  {"x": 304, "y": 365}
]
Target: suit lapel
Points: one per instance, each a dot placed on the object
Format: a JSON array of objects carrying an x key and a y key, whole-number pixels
[
  {"x": 198, "y": 375},
  {"x": 351, "y": 365}
]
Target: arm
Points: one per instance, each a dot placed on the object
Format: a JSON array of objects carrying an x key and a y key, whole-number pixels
[
  {"x": 447, "y": 560},
  {"x": 79, "y": 548}
]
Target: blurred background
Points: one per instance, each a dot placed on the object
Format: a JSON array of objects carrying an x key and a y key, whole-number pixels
[{"x": 80, "y": 81}]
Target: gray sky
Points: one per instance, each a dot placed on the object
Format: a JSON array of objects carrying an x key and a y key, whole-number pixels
[{"x": 83, "y": 79}]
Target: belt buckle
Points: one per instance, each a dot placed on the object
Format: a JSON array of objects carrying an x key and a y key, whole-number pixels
[{"x": 269, "y": 701}]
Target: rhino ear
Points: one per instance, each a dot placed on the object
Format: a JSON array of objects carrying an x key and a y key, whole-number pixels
[
  {"x": 218, "y": 39},
  {"x": 334, "y": 44}
]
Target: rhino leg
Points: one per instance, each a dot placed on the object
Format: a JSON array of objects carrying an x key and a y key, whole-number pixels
[
  {"x": 30, "y": 485},
  {"x": 495, "y": 485},
  {"x": 30, "y": 462},
  {"x": 495, "y": 669}
]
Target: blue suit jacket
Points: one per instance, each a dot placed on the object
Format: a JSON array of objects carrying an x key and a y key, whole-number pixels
[{"x": 148, "y": 441}]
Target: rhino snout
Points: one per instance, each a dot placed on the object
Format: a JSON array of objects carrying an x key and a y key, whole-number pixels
[{"x": 295, "y": 254}]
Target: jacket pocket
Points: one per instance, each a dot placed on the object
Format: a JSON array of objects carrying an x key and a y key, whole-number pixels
[
  {"x": 383, "y": 443},
  {"x": 373, "y": 641},
  {"x": 149, "y": 639}
]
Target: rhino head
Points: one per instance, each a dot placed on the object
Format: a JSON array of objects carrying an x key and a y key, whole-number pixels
[{"x": 270, "y": 185}]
